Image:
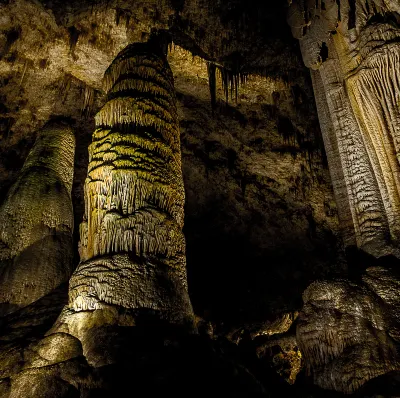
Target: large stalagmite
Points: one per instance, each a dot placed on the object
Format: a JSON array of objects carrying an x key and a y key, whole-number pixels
[
  {"x": 36, "y": 221},
  {"x": 132, "y": 246}
]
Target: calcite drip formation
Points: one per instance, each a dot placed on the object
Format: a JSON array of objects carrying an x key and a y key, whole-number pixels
[
  {"x": 348, "y": 332},
  {"x": 352, "y": 52},
  {"x": 132, "y": 234}
]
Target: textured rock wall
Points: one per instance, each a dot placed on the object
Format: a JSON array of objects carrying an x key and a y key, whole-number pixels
[
  {"x": 352, "y": 51},
  {"x": 348, "y": 331},
  {"x": 257, "y": 195},
  {"x": 36, "y": 247}
]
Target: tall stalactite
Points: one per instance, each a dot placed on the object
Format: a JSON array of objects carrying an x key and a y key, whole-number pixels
[
  {"x": 36, "y": 249},
  {"x": 348, "y": 331}
]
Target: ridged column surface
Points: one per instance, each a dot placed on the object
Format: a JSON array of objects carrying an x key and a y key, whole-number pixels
[{"x": 132, "y": 246}]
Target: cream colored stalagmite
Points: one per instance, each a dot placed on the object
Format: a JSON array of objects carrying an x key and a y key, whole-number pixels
[
  {"x": 132, "y": 247},
  {"x": 36, "y": 221}
]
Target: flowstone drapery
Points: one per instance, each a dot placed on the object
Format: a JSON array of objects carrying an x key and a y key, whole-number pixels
[
  {"x": 352, "y": 50},
  {"x": 349, "y": 332},
  {"x": 36, "y": 250}
]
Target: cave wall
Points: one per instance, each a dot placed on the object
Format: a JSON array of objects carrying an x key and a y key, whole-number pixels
[{"x": 254, "y": 156}]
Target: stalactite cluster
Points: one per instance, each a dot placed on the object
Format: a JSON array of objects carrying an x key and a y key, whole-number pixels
[
  {"x": 132, "y": 237},
  {"x": 37, "y": 221},
  {"x": 230, "y": 80}
]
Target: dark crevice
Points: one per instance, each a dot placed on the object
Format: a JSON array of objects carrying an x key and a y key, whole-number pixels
[
  {"x": 324, "y": 53},
  {"x": 11, "y": 37},
  {"x": 339, "y": 11},
  {"x": 73, "y": 37},
  {"x": 352, "y": 14}
]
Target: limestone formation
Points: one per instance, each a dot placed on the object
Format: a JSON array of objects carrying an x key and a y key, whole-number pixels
[
  {"x": 36, "y": 221},
  {"x": 132, "y": 246},
  {"x": 348, "y": 333},
  {"x": 352, "y": 49}
]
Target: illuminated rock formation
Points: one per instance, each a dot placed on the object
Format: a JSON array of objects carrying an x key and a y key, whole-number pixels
[
  {"x": 132, "y": 246},
  {"x": 348, "y": 333},
  {"x": 129, "y": 292},
  {"x": 36, "y": 225},
  {"x": 352, "y": 49}
]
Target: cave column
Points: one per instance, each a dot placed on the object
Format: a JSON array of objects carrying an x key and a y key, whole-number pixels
[
  {"x": 345, "y": 329},
  {"x": 132, "y": 246},
  {"x": 359, "y": 200}
]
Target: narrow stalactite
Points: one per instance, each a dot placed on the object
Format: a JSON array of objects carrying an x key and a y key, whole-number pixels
[
  {"x": 231, "y": 82},
  {"x": 37, "y": 221},
  {"x": 212, "y": 83}
]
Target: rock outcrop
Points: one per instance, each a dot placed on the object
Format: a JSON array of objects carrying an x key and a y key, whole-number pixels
[
  {"x": 348, "y": 332},
  {"x": 37, "y": 221}
]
